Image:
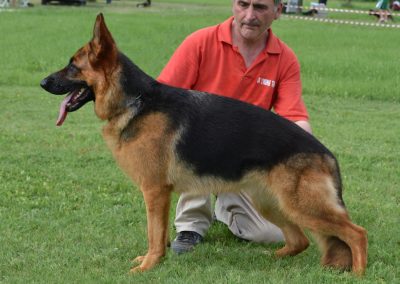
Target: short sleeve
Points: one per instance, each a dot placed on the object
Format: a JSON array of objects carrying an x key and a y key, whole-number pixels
[
  {"x": 182, "y": 69},
  {"x": 288, "y": 101}
]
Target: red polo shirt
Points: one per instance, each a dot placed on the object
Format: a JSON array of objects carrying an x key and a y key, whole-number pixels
[{"x": 207, "y": 61}]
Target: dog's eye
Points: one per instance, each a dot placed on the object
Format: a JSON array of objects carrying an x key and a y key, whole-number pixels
[{"x": 72, "y": 69}]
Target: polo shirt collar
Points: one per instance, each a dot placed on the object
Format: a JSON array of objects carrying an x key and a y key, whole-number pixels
[{"x": 225, "y": 35}]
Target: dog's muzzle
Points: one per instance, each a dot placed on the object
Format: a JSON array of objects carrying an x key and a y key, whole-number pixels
[{"x": 79, "y": 93}]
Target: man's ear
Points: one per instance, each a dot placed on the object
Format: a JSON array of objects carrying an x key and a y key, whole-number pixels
[
  {"x": 278, "y": 11},
  {"x": 102, "y": 44}
]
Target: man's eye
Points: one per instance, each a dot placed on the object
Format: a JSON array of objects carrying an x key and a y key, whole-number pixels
[{"x": 260, "y": 7}]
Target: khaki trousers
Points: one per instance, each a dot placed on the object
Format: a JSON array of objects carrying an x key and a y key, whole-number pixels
[{"x": 194, "y": 213}]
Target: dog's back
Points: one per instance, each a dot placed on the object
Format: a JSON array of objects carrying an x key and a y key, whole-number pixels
[
  {"x": 219, "y": 136},
  {"x": 227, "y": 138}
]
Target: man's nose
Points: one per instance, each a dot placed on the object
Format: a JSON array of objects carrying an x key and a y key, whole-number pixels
[{"x": 250, "y": 13}]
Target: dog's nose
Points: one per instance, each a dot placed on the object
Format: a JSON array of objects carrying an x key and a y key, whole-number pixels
[{"x": 44, "y": 83}]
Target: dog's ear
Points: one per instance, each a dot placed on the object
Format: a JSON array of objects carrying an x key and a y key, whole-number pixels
[{"x": 102, "y": 44}]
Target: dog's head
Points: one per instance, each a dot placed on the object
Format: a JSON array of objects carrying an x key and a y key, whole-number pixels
[{"x": 88, "y": 75}]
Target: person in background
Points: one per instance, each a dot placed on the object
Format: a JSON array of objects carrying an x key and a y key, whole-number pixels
[
  {"x": 240, "y": 58},
  {"x": 383, "y": 6},
  {"x": 395, "y": 6},
  {"x": 144, "y": 4}
]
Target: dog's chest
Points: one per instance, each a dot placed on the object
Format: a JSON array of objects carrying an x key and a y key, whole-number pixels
[{"x": 144, "y": 155}]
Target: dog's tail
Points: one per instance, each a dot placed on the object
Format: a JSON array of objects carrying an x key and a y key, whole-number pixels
[
  {"x": 336, "y": 253},
  {"x": 334, "y": 170}
]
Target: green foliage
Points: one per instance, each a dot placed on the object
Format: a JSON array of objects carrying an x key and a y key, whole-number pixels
[{"x": 67, "y": 213}]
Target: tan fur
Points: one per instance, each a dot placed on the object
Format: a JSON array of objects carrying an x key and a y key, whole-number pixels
[
  {"x": 145, "y": 157},
  {"x": 336, "y": 253}
]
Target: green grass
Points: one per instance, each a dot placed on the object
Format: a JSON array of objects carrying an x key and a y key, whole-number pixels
[{"x": 68, "y": 214}]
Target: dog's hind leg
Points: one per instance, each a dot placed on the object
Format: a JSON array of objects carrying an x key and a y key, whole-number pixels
[
  {"x": 157, "y": 199},
  {"x": 295, "y": 241},
  {"x": 311, "y": 201},
  {"x": 335, "y": 252},
  {"x": 343, "y": 244}
]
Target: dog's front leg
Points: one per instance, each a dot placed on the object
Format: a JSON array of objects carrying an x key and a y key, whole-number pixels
[{"x": 157, "y": 199}]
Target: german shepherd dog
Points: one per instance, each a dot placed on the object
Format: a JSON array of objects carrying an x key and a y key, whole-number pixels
[{"x": 169, "y": 139}]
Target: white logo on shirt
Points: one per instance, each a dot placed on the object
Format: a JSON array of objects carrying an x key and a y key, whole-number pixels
[{"x": 266, "y": 82}]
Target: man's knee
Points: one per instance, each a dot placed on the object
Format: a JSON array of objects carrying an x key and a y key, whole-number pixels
[{"x": 260, "y": 231}]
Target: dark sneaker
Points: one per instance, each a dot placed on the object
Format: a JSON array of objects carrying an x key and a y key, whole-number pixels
[{"x": 185, "y": 241}]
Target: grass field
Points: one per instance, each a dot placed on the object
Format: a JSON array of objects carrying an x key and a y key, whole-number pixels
[{"x": 67, "y": 213}]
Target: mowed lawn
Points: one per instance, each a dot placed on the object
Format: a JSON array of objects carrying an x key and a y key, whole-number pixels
[{"x": 68, "y": 214}]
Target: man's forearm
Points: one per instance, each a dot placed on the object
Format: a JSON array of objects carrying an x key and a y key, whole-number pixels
[{"x": 305, "y": 125}]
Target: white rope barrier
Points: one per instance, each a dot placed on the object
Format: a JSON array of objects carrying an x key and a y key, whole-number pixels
[
  {"x": 316, "y": 7},
  {"x": 345, "y": 22}
]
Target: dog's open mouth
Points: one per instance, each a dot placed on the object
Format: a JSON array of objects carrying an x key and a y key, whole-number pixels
[{"x": 74, "y": 101}]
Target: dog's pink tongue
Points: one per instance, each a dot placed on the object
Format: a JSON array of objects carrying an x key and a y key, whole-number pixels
[{"x": 63, "y": 110}]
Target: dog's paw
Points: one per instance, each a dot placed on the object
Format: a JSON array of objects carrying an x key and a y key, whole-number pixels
[
  {"x": 290, "y": 251},
  {"x": 146, "y": 262},
  {"x": 285, "y": 251},
  {"x": 139, "y": 259},
  {"x": 136, "y": 269}
]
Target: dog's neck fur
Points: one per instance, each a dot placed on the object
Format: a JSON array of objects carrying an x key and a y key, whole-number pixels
[
  {"x": 136, "y": 88},
  {"x": 134, "y": 81}
]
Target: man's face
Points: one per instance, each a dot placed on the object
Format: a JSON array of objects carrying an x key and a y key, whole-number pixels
[{"x": 254, "y": 17}]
